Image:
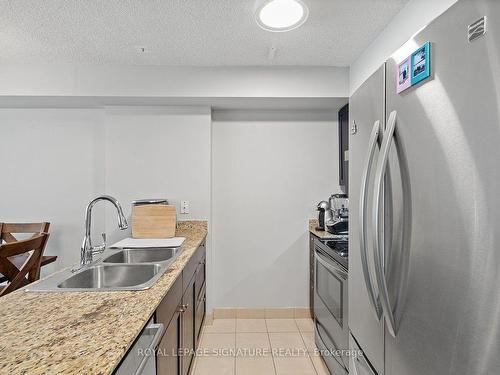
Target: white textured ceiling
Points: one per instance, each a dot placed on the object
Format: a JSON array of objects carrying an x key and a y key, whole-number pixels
[{"x": 184, "y": 32}]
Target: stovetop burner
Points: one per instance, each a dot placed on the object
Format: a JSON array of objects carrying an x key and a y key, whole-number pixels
[{"x": 340, "y": 247}]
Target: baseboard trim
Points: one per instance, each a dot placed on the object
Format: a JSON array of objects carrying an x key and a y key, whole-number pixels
[{"x": 270, "y": 313}]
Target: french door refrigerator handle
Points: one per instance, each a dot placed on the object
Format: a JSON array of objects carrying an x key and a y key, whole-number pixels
[
  {"x": 389, "y": 136},
  {"x": 363, "y": 198}
]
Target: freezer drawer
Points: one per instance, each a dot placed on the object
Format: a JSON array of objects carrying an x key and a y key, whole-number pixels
[
  {"x": 358, "y": 364},
  {"x": 141, "y": 358}
]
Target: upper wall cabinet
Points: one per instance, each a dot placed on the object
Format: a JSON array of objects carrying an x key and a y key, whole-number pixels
[{"x": 344, "y": 148}]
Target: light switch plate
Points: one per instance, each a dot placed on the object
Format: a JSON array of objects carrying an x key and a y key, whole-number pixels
[{"x": 184, "y": 207}]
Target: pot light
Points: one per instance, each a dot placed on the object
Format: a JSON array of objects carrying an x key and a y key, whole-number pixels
[{"x": 281, "y": 15}]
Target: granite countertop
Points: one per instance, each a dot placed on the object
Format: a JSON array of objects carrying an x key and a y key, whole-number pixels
[
  {"x": 82, "y": 332},
  {"x": 313, "y": 223}
]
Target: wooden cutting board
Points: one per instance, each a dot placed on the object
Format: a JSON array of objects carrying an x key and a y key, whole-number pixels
[{"x": 153, "y": 221}]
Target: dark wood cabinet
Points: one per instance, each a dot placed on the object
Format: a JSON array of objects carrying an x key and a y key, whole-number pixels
[
  {"x": 200, "y": 293},
  {"x": 188, "y": 325},
  {"x": 200, "y": 278},
  {"x": 344, "y": 148},
  {"x": 182, "y": 311},
  {"x": 201, "y": 309},
  {"x": 170, "y": 304},
  {"x": 311, "y": 274},
  {"x": 168, "y": 360}
]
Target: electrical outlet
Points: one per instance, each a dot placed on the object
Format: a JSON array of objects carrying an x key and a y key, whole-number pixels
[{"x": 184, "y": 207}]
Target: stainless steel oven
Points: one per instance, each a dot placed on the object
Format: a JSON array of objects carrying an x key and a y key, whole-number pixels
[{"x": 330, "y": 305}]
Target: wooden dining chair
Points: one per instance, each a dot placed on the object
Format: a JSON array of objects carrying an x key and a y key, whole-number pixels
[
  {"x": 7, "y": 230},
  {"x": 20, "y": 260}
]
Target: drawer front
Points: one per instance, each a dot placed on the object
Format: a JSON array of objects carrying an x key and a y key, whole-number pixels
[
  {"x": 170, "y": 304},
  {"x": 200, "y": 314},
  {"x": 192, "y": 266},
  {"x": 188, "y": 274},
  {"x": 168, "y": 362},
  {"x": 188, "y": 327},
  {"x": 200, "y": 277}
]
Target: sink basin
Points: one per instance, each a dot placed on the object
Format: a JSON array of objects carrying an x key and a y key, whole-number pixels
[
  {"x": 150, "y": 255},
  {"x": 120, "y": 269},
  {"x": 102, "y": 277},
  {"x": 111, "y": 276}
]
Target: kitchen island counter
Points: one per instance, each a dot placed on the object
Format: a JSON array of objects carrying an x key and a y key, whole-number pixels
[{"x": 83, "y": 332}]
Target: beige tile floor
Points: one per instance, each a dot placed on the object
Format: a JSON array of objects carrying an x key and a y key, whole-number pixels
[{"x": 258, "y": 347}]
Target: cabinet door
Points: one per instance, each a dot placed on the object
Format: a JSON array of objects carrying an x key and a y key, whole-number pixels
[
  {"x": 311, "y": 274},
  {"x": 170, "y": 304},
  {"x": 200, "y": 277},
  {"x": 200, "y": 314},
  {"x": 344, "y": 148},
  {"x": 168, "y": 360},
  {"x": 188, "y": 339},
  {"x": 200, "y": 296}
]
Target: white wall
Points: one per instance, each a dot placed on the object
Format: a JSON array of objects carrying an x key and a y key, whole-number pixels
[
  {"x": 141, "y": 152},
  {"x": 162, "y": 81},
  {"x": 158, "y": 153},
  {"x": 267, "y": 177},
  {"x": 54, "y": 161},
  {"x": 51, "y": 168},
  {"x": 268, "y": 172},
  {"x": 413, "y": 17}
]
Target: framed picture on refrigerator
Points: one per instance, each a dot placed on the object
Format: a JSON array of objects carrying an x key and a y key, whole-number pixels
[
  {"x": 403, "y": 80},
  {"x": 421, "y": 63}
]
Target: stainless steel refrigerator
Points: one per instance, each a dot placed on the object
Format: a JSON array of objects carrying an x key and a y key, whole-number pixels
[{"x": 424, "y": 257}]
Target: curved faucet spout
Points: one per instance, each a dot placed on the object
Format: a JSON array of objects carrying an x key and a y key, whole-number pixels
[{"x": 87, "y": 249}]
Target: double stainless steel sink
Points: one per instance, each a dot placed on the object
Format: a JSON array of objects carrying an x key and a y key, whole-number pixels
[
  {"x": 149, "y": 255},
  {"x": 119, "y": 269}
]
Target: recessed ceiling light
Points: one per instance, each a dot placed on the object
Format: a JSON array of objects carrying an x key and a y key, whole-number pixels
[{"x": 281, "y": 15}]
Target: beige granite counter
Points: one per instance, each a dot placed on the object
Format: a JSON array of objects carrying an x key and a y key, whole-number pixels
[
  {"x": 82, "y": 332},
  {"x": 313, "y": 223}
]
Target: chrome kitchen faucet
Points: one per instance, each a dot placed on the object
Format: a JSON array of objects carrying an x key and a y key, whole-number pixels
[{"x": 88, "y": 250}]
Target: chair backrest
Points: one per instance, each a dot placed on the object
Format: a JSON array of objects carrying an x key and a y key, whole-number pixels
[
  {"x": 20, "y": 261},
  {"x": 18, "y": 277},
  {"x": 7, "y": 230}
]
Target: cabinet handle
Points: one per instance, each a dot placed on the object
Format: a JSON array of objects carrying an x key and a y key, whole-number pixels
[{"x": 184, "y": 306}]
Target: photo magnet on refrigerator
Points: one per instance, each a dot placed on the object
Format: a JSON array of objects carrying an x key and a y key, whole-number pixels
[
  {"x": 403, "y": 80},
  {"x": 421, "y": 64}
]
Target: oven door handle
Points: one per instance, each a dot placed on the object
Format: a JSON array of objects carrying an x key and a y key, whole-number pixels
[{"x": 330, "y": 265}]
